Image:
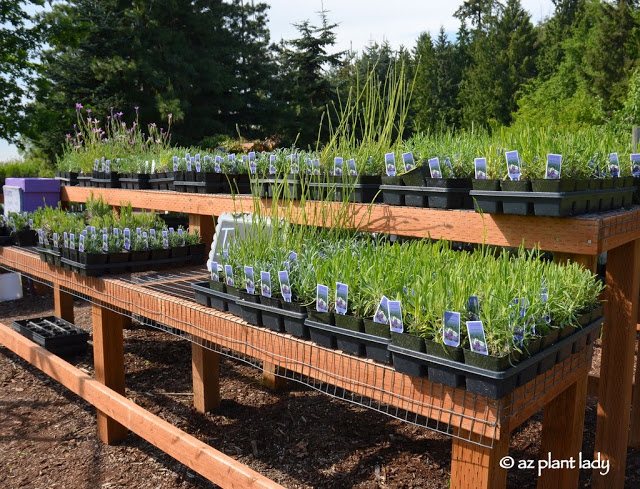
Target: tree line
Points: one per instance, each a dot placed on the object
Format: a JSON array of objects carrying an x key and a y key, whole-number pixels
[{"x": 210, "y": 66}]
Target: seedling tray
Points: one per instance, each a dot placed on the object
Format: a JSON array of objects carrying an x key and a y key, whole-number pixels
[
  {"x": 553, "y": 204},
  {"x": 135, "y": 181},
  {"x": 105, "y": 268},
  {"x": 161, "y": 181},
  {"x": 215, "y": 299},
  {"x": 354, "y": 342},
  {"x": 434, "y": 197},
  {"x": 363, "y": 193},
  {"x": 55, "y": 334},
  {"x": 49, "y": 256},
  {"x": 496, "y": 385},
  {"x": 253, "y": 315},
  {"x": 280, "y": 319}
]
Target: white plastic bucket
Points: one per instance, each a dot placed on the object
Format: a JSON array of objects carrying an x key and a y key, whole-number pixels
[{"x": 10, "y": 287}]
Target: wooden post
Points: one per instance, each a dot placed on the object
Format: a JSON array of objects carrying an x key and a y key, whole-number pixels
[
  {"x": 616, "y": 368},
  {"x": 205, "y": 366},
  {"x": 474, "y": 465},
  {"x": 270, "y": 379},
  {"x": 63, "y": 304},
  {"x": 205, "y": 225},
  {"x": 108, "y": 360}
]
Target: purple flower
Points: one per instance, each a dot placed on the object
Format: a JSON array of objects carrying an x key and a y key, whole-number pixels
[
  {"x": 88, "y": 111},
  {"x": 108, "y": 117},
  {"x": 78, "y": 106},
  {"x": 136, "y": 107},
  {"x": 68, "y": 136},
  {"x": 170, "y": 116},
  {"x": 153, "y": 124}
]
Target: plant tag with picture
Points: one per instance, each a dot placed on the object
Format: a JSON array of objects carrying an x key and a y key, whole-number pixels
[
  {"x": 65, "y": 239},
  {"x": 554, "y": 165},
  {"x": 138, "y": 231},
  {"x": 272, "y": 164},
  {"x": 152, "y": 233},
  {"x": 253, "y": 166},
  {"x": 265, "y": 282},
  {"x": 390, "y": 164},
  {"x": 107, "y": 166},
  {"x": 198, "y": 164},
  {"x": 477, "y": 340},
  {"x": 189, "y": 162},
  {"x": 231, "y": 157},
  {"x": 635, "y": 165},
  {"x": 381, "y": 312},
  {"x": 337, "y": 166},
  {"x": 409, "y": 162},
  {"x": 614, "y": 165},
  {"x": 175, "y": 163},
  {"x": 342, "y": 298},
  {"x": 40, "y": 238},
  {"x": 513, "y": 165},
  {"x": 127, "y": 239},
  {"x": 30, "y": 223},
  {"x": 353, "y": 171},
  {"x": 181, "y": 234},
  {"x": 315, "y": 170},
  {"x": 481, "y": 168},
  {"x": 84, "y": 232},
  {"x": 249, "y": 281},
  {"x": 105, "y": 243},
  {"x": 293, "y": 256},
  {"x": 81, "y": 243},
  {"x": 145, "y": 240},
  {"x": 116, "y": 232},
  {"x": 55, "y": 240},
  {"x": 214, "y": 271},
  {"x": 322, "y": 298},
  {"x": 285, "y": 285},
  {"x": 473, "y": 306},
  {"x": 434, "y": 168},
  {"x": 96, "y": 165},
  {"x": 165, "y": 238},
  {"x": 216, "y": 165},
  {"x": 72, "y": 241},
  {"x": 451, "y": 329},
  {"x": 395, "y": 316},
  {"x": 153, "y": 166},
  {"x": 293, "y": 163},
  {"x": 228, "y": 275},
  {"x": 93, "y": 230}
]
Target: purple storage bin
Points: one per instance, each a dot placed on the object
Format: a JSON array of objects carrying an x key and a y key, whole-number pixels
[{"x": 36, "y": 191}]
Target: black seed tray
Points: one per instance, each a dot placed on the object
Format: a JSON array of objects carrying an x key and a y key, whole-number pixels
[
  {"x": 355, "y": 342},
  {"x": 135, "y": 181},
  {"x": 198, "y": 187},
  {"x": 292, "y": 191},
  {"x": 280, "y": 319},
  {"x": 55, "y": 334},
  {"x": 363, "y": 193},
  {"x": 434, "y": 197},
  {"x": 253, "y": 315},
  {"x": 217, "y": 300},
  {"x": 139, "y": 266},
  {"x": 495, "y": 385},
  {"x": 6, "y": 240},
  {"x": 161, "y": 181}
]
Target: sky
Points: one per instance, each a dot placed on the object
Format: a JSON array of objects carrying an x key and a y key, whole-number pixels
[{"x": 360, "y": 22}]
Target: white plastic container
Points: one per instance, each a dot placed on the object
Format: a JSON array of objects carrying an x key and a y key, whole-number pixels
[{"x": 10, "y": 286}]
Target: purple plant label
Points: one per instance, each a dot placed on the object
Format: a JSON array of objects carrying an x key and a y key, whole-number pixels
[
  {"x": 253, "y": 166},
  {"x": 481, "y": 168},
  {"x": 198, "y": 158},
  {"x": 127, "y": 239},
  {"x": 614, "y": 165},
  {"x": 81, "y": 243},
  {"x": 473, "y": 306},
  {"x": 272, "y": 164},
  {"x": 105, "y": 243},
  {"x": 353, "y": 171},
  {"x": 293, "y": 256},
  {"x": 175, "y": 163},
  {"x": 198, "y": 165},
  {"x": 513, "y": 164},
  {"x": 165, "y": 238},
  {"x": 382, "y": 311},
  {"x": 249, "y": 281},
  {"x": 395, "y": 316},
  {"x": 214, "y": 271},
  {"x": 138, "y": 231},
  {"x": 434, "y": 168},
  {"x": 225, "y": 254},
  {"x": 107, "y": 166},
  {"x": 152, "y": 233},
  {"x": 181, "y": 234},
  {"x": 228, "y": 275},
  {"x": 40, "y": 238},
  {"x": 145, "y": 240},
  {"x": 116, "y": 232},
  {"x": 315, "y": 167},
  {"x": 252, "y": 155},
  {"x": 635, "y": 165},
  {"x": 84, "y": 232},
  {"x": 65, "y": 239},
  {"x": 55, "y": 240},
  {"x": 96, "y": 165},
  {"x": 216, "y": 166},
  {"x": 72, "y": 241},
  {"x": 390, "y": 164},
  {"x": 188, "y": 162},
  {"x": 337, "y": 166},
  {"x": 231, "y": 157},
  {"x": 31, "y": 223},
  {"x": 265, "y": 282},
  {"x": 322, "y": 298},
  {"x": 477, "y": 340},
  {"x": 285, "y": 285},
  {"x": 342, "y": 298},
  {"x": 93, "y": 230},
  {"x": 554, "y": 165},
  {"x": 293, "y": 159},
  {"x": 451, "y": 328},
  {"x": 409, "y": 162}
]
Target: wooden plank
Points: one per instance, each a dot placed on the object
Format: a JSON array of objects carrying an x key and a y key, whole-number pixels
[
  {"x": 205, "y": 367},
  {"x": 573, "y": 235},
  {"x": 618, "y": 345},
  {"x": 63, "y": 304},
  {"x": 476, "y": 466},
  {"x": 269, "y": 378},
  {"x": 634, "y": 432},
  {"x": 108, "y": 359},
  {"x": 205, "y": 226},
  {"x": 210, "y": 463}
]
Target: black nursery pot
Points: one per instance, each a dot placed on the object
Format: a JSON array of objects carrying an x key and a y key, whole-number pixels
[
  {"x": 444, "y": 351},
  {"x": 351, "y": 323},
  {"x": 416, "y": 177},
  {"x": 449, "y": 182},
  {"x": 515, "y": 186},
  {"x": 320, "y": 317},
  {"x": 234, "y": 291},
  {"x": 553, "y": 185},
  {"x": 179, "y": 251},
  {"x": 408, "y": 341},
  {"x": 297, "y": 307},
  {"x": 387, "y": 180},
  {"x": 270, "y": 301},
  {"x": 217, "y": 285},
  {"x": 492, "y": 185},
  {"x": 249, "y": 297},
  {"x": 376, "y": 329},
  {"x": 489, "y": 362},
  {"x": 26, "y": 237},
  {"x": 160, "y": 254},
  {"x": 92, "y": 258}
]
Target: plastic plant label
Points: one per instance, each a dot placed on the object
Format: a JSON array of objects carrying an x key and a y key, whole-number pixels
[
  {"x": 84, "y": 232},
  {"x": 390, "y": 164},
  {"x": 225, "y": 254},
  {"x": 249, "y": 281},
  {"x": 434, "y": 168},
  {"x": 353, "y": 171},
  {"x": 342, "y": 298},
  {"x": 614, "y": 165},
  {"x": 265, "y": 281},
  {"x": 116, "y": 231},
  {"x": 382, "y": 311},
  {"x": 165, "y": 238},
  {"x": 253, "y": 166},
  {"x": 107, "y": 166},
  {"x": 473, "y": 306},
  {"x": 105, "y": 243},
  {"x": 55, "y": 240},
  {"x": 96, "y": 165},
  {"x": 138, "y": 231},
  {"x": 395, "y": 316},
  {"x": 322, "y": 298},
  {"x": 315, "y": 167},
  {"x": 93, "y": 230},
  {"x": 65, "y": 239},
  {"x": 228, "y": 275},
  {"x": 293, "y": 256},
  {"x": 285, "y": 285},
  {"x": 272, "y": 164},
  {"x": 189, "y": 163},
  {"x": 145, "y": 240},
  {"x": 554, "y": 164},
  {"x": 216, "y": 165},
  {"x": 198, "y": 164},
  {"x": 40, "y": 239},
  {"x": 635, "y": 165},
  {"x": 338, "y": 163},
  {"x": 81, "y": 243},
  {"x": 175, "y": 163},
  {"x": 187, "y": 157},
  {"x": 181, "y": 234},
  {"x": 30, "y": 223},
  {"x": 231, "y": 157},
  {"x": 152, "y": 233},
  {"x": 477, "y": 340},
  {"x": 451, "y": 329},
  {"x": 409, "y": 163},
  {"x": 153, "y": 166},
  {"x": 72, "y": 241},
  {"x": 481, "y": 168},
  {"x": 293, "y": 163},
  {"x": 252, "y": 155},
  {"x": 513, "y": 165},
  {"x": 214, "y": 271},
  {"x": 127, "y": 239}
]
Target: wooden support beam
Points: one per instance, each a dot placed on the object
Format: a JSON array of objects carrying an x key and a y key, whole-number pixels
[
  {"x": 205, "y": 366},
  {"x": 618, "y": 346},
  {"x": 270, "y": 379},
  {"x": 205, "y": 224},
  {"x": 63, "y": 304},
  {"x": 211, "y": 464},
  {"x": 477, "y": 466},
  {"x": 108, "y": 359}
]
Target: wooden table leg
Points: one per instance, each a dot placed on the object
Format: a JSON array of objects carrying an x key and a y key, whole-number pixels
[
  {"x": 108, "y": 359},
  {"x": 63, "y": 304},
  {"x": 616, "y": 367},
  {"x": 634, "y": 433},
  {"x": 206, "y": 227},
  {"x": 476, "y": 466},
  {"x": 205, "y": 366},
  {"x": 270, "y": 379}
]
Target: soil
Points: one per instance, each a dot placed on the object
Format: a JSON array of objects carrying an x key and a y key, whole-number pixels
[{"x": 300, "y": 438}]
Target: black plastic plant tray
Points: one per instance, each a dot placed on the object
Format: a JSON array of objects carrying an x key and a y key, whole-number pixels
[
  {"x": 55, "y": 334},
  {"x": 6, "y": 240},
  {"x": 157, "y": 182},
  {"x": 103, "y": 268},
  {"x": 355, "y": 342},
  {"x": 496, "y": 385},
  {"x": 363, "y": 193},
  {"x": 253, "y": 315},
  {"x": 135, "y": 181},
  {"x": 435, "y": 197},
  {"x": 218, "y": 300},
  {"x": 280, "y": 319},
  {"x": 199, "y": 187},
  {"x": 49, "y": 255}
]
